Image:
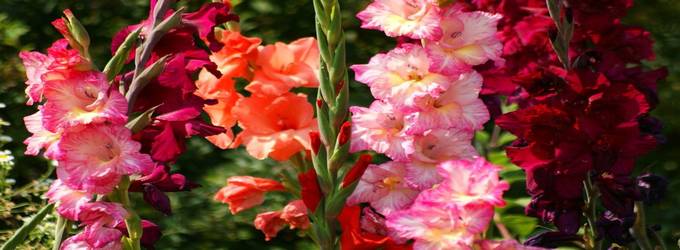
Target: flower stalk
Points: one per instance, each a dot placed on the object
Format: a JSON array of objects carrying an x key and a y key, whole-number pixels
[{"x": 331, "y": 110}]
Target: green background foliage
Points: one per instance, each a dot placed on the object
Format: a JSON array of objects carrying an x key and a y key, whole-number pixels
[{"x": 200, "y": 223}]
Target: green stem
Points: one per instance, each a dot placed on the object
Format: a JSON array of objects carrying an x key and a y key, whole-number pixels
[
  {"x": 61, "y": 231},
  {"x": 590, "y": 212},
  {"x": 639, "y": 230},
  {"x": 132, "y": 222}
]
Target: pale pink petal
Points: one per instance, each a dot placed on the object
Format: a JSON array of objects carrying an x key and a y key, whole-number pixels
[
  {"x": 36, "y": 65},
  {"x": 422, "y": 175},
  {"x": 439, "y": 145},
  {"x": 68, "y": 201},
  {"x": 384, "y": 187},
  {"x": 416, "y": 19},
  {"x": 381, "y": 129},
  {"x": 41, "y": 138}
]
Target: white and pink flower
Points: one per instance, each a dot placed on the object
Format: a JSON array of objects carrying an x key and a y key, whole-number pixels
[
  {"x": 41, "y": 138},
  {"x": 417, "y": 19},
  {"x": 94, "y": 157},
  {"x": 380, "y": 128},
  {"x": 401, "y": 76},
  {"x": 384, "y": 187},
  {"x": 469, "y": 39},
  {"x": 68, "y": 201},
  {"x": 76, "y": 98}
]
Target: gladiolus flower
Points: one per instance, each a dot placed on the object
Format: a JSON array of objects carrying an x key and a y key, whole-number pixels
[
  {"x": 416, "y": 19},
  {"x": 224, "y": 92},
  {"x": 458, "y": 106},
  {"x": 380, "y": 128},
  {"x": 469, "y": 39},
  {"x": 41, "y": 138},
  {"x": 401, "y": 76},
  {"x": 295, "y": 214},
  {"x": 384, "y": 187},
  {"x": 467, "y": 182},
  {"x": 270, "y": 223},
  {"x": 81, "y": 98},
  {"x": 281, "y": 127},
  {"x": 94, "y": 158},
  {"x": 102, "y": 214},
  {"x": 94, "y": 238},
  {"x": 439, "y": 226},
  {"x": 354, "y": 237},
  {"x": 244, "y": 192},
  {"x": 68, "y": 201},
  {"x": 238, "y": 52},
  {"x": 281, "y": 67},
  {"x": 36, "y": 65},
  {"x": 439, "y": 145}
]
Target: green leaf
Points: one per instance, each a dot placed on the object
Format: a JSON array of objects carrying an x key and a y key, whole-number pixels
[
  {"x": 520, "y": 224},
  {"x": 513, "y": 176},
  {"x": 140, "y": 121},
  {"x": 21, "y": 234},
  {"x": 115, "y": 65},
  {"x": 506, "y": 138}
]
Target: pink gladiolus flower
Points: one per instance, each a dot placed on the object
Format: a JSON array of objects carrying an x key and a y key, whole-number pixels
[
  {"x": 401, "y": 76},
  {"x": 94, "y": 157},
  {"x": 281, "y": 67},
  {"x": 468, "y": 182},
  {"x": 458, "y": 106},
  {"x": 469, "y": 39},
  {"x": 416, "y": 19},
  {"x": 439, "y": 145},
  {"x": 439, "y": 226},
  {"x": 380, "y": 128},
  {"x": 68, "y": 201},
  {"x": 76, "y": 98},
  {"x": 244, "y": 192},
  {"x": 41, "y": 138},
  {"x": 94, "y": 239},
  {"x": 384, "y": 187},
  {"x": 102, "y": 214},
  {"x": 36, "y": 65},
  {"x": 295, "y": 214},
  {"x": 277, "y": 127},
  {"x": 270, "y": 223}
]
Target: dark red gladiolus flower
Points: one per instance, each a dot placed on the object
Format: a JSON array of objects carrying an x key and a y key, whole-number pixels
[
  {"x": 357, "y": 170},
  {"x": 310, "y": 189},
  {"x": 592, "y": 119}
]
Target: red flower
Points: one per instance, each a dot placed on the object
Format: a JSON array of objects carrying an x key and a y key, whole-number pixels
[
  {"x": 311, "y": 192},
  {"x": 354, "y": 237},
  {"x": 244, "y": 192}
]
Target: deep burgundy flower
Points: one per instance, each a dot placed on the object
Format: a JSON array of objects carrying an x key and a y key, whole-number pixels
[
  {"x": 616, "y": 228},
  {"x": 652, "y": 187}
]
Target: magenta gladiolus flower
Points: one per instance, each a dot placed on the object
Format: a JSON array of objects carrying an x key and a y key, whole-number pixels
[
  {"x": 384, "y": 187},
  {"x": 76, "y": 98},
  {"x": 93, "y": 158},
  {"x": 94, "y": 239},
  {"x": 102, "y": 214},
  {"x": 469, "y": 38},
  {"x": 416, "y": 19}
]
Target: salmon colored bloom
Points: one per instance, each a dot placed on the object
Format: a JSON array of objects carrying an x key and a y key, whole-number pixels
[
  {"x": 276, "y": 127},
  {"x": 93, "y": 158},
  {"x": 76, "y": 98},
  {"x": 384, "y": 187},
  {"x": 401, "y": 75},
  {"x": 416, "y": 19},
  {"x": 281, "y": 67},
  {"x": 270, "y": 223},
  {"x": 469, "y": 39},
  {"x": 234, "y": 59},
  {"x": 41, "y": 138},
  {"x": 224, "y": 92},
  {"x": 295, "y": 214},
  {"x": 244, "y": 192}
]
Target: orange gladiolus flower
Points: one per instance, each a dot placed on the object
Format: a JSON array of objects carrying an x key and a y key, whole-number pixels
[
  {"x": 224, "y": 92},
  {"x": 236, "y": 55},
  {"x": 244, "y": 192},
  {"x": 276, "y": 127},
  {"x": 281, "y": 67}
]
